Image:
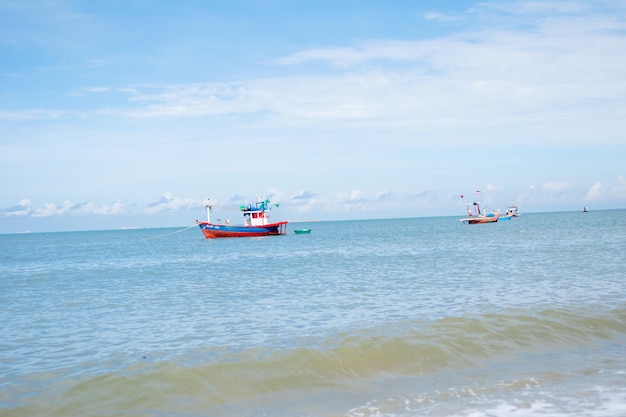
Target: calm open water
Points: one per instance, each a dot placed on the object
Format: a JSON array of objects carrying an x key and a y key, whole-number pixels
[{"x": 403, "y": 317}]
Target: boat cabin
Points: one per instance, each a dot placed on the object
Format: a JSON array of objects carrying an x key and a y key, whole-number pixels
[{"x": 254, "y": 216}]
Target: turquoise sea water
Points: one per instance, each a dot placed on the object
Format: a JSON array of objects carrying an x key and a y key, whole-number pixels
[{"x": 402, "y": 317}]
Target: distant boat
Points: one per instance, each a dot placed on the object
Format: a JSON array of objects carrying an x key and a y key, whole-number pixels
[
  {"x": 302, "y": 231},
  {"x": 256, "y": 222},
  {"x": 513, "y": 210},
  {"x": 585, "y": 210},
  {"x": 510, "y": 212},
  {"x": 477, "y": 216}
]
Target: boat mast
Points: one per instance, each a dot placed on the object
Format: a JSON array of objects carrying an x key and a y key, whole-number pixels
[{"x": 207, "y": 206}]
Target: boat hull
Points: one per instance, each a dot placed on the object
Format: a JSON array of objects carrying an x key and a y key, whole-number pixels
[
  {"x": 211, "y": 230},
  {"x": 302, "y": 231},
  {"x": 480, "y": 220}
]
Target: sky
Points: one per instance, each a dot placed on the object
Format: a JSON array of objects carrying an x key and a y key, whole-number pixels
[{"x": 132, "y": 113}]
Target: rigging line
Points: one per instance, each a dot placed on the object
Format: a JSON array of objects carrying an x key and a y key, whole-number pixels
[
  {"x": 217, "y": 206},
  {"x": 222, "y": 207},
  {"x": 169, "y": 234}
]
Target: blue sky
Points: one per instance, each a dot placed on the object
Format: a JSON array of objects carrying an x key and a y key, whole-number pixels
[{"x": 132, "y": 113}]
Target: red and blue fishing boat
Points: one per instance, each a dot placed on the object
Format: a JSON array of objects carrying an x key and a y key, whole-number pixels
[
  {"x": 478, "y": 216},
  {"x": 256, "y": 222}
]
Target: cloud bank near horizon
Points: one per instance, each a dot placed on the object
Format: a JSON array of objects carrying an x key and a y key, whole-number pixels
[{"x": 302, "y": 202}]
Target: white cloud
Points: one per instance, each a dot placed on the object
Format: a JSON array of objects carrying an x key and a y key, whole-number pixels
[
  {"x": 51, "y": 209},
  {"x": 35, "y": 114},
  {"x": 441, "y": 17},
  {"x": 167, "y": 202},
  {"x": 341, "y": 57},
  {"x": 556, "y": 187},
  {"x": 303, "y": 196},
  {"x": 354, "y": 196},
  {"x": 596, "y": 192},
  {"x": 500, "y": 76},
  {"x": 117, "y": 207},
  {"x": 20, "y": 209},
  {"x": 98, "y": 89},
  {"x": 383, "y": 196},
  {"x": 516, "y": 80},
  {"x": 607, "y": 190},
  {"x": 23, "y": 208},
  {"x": 534, "y": 7}
]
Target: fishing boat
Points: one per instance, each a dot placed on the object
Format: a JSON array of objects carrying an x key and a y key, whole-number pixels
[
  {"x": 302, "y": 231},
  {"x": 477, "y": 216},
  {"x": 512, "y": 210},
  {"x": 256, "y": 222},
  {"x": 506, "y": 216}
]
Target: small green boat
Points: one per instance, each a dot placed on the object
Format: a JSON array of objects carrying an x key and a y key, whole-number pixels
[{"x": 302, "y": 231}]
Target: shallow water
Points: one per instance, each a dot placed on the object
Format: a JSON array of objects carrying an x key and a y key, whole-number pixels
[{"x": 402, "y": 317}]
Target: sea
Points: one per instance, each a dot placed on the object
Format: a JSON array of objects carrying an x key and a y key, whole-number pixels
[{"x": 362, "y": 318}]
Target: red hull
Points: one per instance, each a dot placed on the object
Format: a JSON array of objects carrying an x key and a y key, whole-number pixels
[{"x": 212, "y": 231}]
